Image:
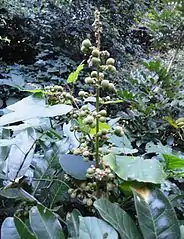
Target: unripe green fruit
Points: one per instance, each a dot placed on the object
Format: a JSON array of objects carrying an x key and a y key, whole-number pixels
[
  {"x": 102, "y": 119},
  {"x": 87, "y": 188},
  {"x": 89, "y": 81},
  {"x": 70, "y": 191},
  {"x": 101, "y": 75},
  {"x": 73, "y": 195},
  {"x": 76, "y": 151},
  {"x": 82, "y": 114},
  {"x": 93, "y": 125},
  {"x": 88, "y": 120},
  {"x": 118, "y": 131},
  {"x": 91, "y": 170},
  {"x": 85, "y": 107},
  {"x": 82, "y": 93},
  {"x": 105, "y": 83},
  {"x": 111, "y": 68},
  {"x": 110, "y": 61},
  {"x": 106, "y": 54},
  {"x": 103, "y": 112},
  {"x": 84, "y": 201},
  {"x": 86, "y": 153},
  {"x": 104, "y": 131},
  {"x": 83, "y": 185},
  {"x": 95, "y": 53},
  {"x": 89, "y": 202},
  {"x": 111, "y": 86},
  {"x": 95, "y": 61},
  {"x": 84, "y": 49},
  {"x": 94, "y": 74},
  {"x": 86, "y": 43}
]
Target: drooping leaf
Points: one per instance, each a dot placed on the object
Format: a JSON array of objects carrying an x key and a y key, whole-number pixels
[
  {"x": 8, "y": 229},
  {"x": 44, "y": 223},
  {"x": 21, "y": 154},
  {"x": 22, "y": 229},
  {"x": 94, "y": 228},
  {"x": 118, "y": 218},
  {"x": 173, "y": 162},
  {"x": 72, "y": 78},
  {"x": 171, "y": 121},
  {"x": 136, "y": 168},
  {"x": 34, "y": 111},
  {"x": 75, "y": 165},
  {"x": 156, "y": 216},
  {"x": 72, "y": 221}
]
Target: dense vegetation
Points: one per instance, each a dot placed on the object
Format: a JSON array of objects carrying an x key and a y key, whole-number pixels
[{"x": 92, "y": 119}]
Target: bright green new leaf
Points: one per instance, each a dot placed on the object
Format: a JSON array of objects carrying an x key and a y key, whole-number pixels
[
  {"x": 101, "y": 127},
  {"x": 118, "y": 218},
  {"x": 136, "y": 168},
  {"x": 72, "y": 78},
  {"x": 173, "y": 162},
  {"x": 156, "y": 216},
  {"x": 8, "y": 229}
]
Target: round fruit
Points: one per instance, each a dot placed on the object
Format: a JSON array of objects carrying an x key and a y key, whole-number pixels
[
  {"x": 111, "y": 68},
  {"x": 89, "y": 81},
  {"x": 101, "y": 75},
  {"x": 94, "y": 74},
  {"x": 84, "y": 49},
  {"x": 90, "y": 170},
  {"x": 95, "y": 53},
  {"x": 82, "y": 93},
  {"x": 110, "y": 61},
  {"x": 86, "y": 153},
  {"x": 88, "y": 120},
  {"x": 118, "y": 131},
  {"x": 105, "y": 83},
  {"x": 104, "y": 131},
  {"x": 102, "y": 119},
  {"x": 86, "y": 43},
  {"x": 82, "y": 114},
  {"x": 111, "y": 86},
  {"x": 73, "y": 195},
  {"x": 70, "y": 191},
  {"x": 95, "y": 61},
  {"x": 89, "y": 202},
  {"x": 103, "y": 112}
]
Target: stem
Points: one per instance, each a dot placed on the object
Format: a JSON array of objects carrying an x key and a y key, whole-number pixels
[{"x": 97, "y": 126}]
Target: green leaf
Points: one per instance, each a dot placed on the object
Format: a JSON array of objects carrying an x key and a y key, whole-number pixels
[
  {"x": 158, "y": 148},
  {"x": 44, "y": 223},
  {"x": 171, "y": 121},
  {"x": 94, "y": 228},
  {"x": 173, "y": 162},
  {"x": 22, "y": 229},
  {"x": 156, "y": 216},
  {"x": 136, "y": 168},
  {"x": 118, "y": 218},
  {"x": 34, "y": 111},
  {"x": 72, "y": 78},
  {"x": 73, "y": 223},
  {"x": 8, "y": 229}
]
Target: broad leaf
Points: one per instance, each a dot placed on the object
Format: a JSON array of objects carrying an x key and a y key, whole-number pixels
[
  {"x": 34, "y": 111},
  {"x": 72, "y": 221},
  {"x": 8, "y": 229},
  {"x": 136, "y": 168},
  {"x": 94, "y": 228},
  {"x": 156, "y": 216},
  {"x": 173, "y": 162},
  {"x": 118, "y": 218},
  {"x": 158, "y": 148},
  {"x": 22, "y": 229},
  {"x": 44, "y": 223},
  {"x": 74, "y": 75},
  {"x": 75, "y": 165},
  {"x": 21, "y": 154}
]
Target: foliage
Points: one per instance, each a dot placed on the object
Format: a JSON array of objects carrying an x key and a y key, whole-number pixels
[{"x": 88, "y": 156}]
